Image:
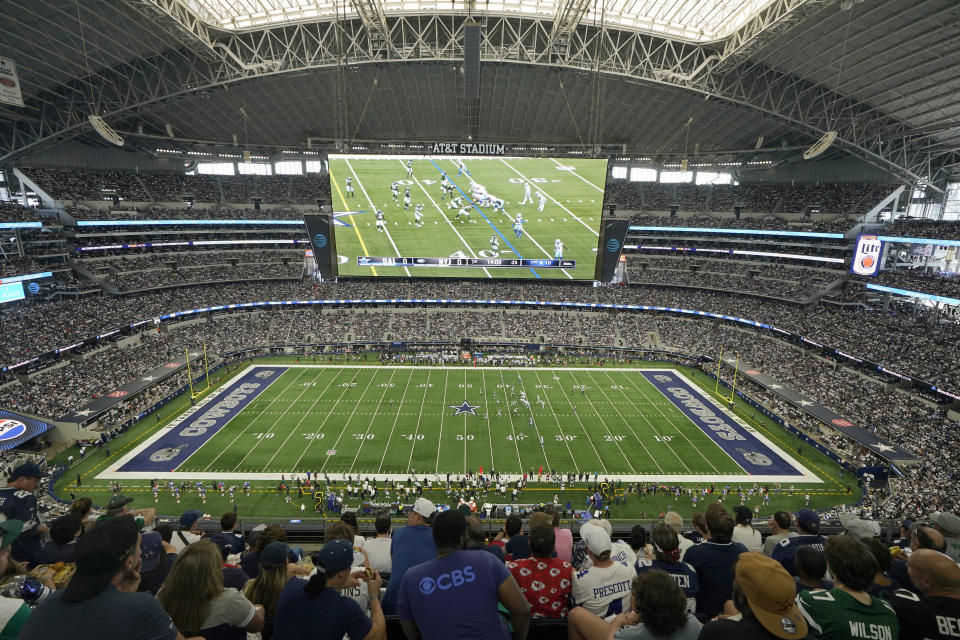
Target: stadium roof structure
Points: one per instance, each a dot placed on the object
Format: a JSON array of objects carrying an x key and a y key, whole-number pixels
[{"x": 653, "y": 78}]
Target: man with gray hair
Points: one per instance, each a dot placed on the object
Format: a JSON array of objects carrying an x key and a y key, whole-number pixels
[{"x": 675, "y": 521}]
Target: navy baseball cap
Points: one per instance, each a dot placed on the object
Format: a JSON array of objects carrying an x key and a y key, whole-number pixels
[
  {"x": 28, "y": 470},
  {"x": 188, "y": 518},
  {"x": 334, "y": 557},
  {"x": 809, "y": 520},
  {"x": 151, "y": 550},
  {"x": 277, "y": 554}
]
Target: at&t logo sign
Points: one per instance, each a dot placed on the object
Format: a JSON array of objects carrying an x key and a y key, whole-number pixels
[
  {"x": 320, "y": 241},
  {"x": 613, "y": 245}
]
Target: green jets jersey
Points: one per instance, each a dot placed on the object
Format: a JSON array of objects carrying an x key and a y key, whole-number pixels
[{"x": 836, "y": 615}]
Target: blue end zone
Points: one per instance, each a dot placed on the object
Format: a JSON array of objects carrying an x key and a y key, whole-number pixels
[
  {"x": 744, "y": 447},
  {"x": 183, "y": 439}
]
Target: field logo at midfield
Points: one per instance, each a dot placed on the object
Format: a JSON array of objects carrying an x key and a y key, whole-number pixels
[{"x": 465, "y": 408}]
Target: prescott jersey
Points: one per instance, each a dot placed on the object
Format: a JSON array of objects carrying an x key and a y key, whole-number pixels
[
  {"x": 836, "y": 615},
  {"x": 603, "y": 591},
  {"x": 921, "y": 617},
  {"x": 786, "y": 550}
]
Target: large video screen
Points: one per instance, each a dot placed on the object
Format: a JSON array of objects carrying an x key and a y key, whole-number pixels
[{"x": 469, "y": 217}]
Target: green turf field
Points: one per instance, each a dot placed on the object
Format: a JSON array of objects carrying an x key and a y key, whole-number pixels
[
  {"x": 601, "y": 409},
  {"x": 397, "y": 420},
  {"x": 574, "y": 197}
]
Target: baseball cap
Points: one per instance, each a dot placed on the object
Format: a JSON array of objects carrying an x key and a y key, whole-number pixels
[
  {"x": 151, "y": 550},
  {"x": 188, "y": 518},
  {"x": 859, "y": 528},
  {"x": 118, "y": 502},
  {"x": 334, "y": 557},
  {"x": 596, "y": 538},
  {"x": 424, "y": 507},
  {"x": 906, "y": 524},
  {"x": 9, "y": 530},
  {"x": 276, "y": 554},
  {"x": 809, "y": 520},
  {"x": 100, "y": 554},
  {"x": 29, "y": 470},
  {"x": 947, "y": 521},
  {"x": 770, "y": 592}
]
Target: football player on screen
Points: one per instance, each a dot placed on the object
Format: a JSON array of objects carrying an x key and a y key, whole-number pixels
[
  {"x": 406, "y": 198},
  {"x": 542, "y": 199},
  {"x": 518, "y": 226},
  {"x": 461, "y": 168},
  {"x": 395, "y": 191},
  {"x": 418, "y": 215},
  {"x": 527, "y": 198},
  {"x": 381, "y": 223},
  {"x": 410, "y": 168},
  {"x": 558, "y": 248},
  {"x": 495, "y": 245},
  {"x": 349, "y": 187}
]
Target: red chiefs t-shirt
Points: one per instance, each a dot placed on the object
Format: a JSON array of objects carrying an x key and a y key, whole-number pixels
[{"x": 546, "y": 583}]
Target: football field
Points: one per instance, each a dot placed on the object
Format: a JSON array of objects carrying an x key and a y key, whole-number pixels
[
  {"x": 393, "y": 421},
  {"x": 573, "y": 200}
]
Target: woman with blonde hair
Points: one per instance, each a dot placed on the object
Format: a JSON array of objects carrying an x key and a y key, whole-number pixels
[
  {"x": 265, "y": 589},
  {"x": 197, "y": 602}
]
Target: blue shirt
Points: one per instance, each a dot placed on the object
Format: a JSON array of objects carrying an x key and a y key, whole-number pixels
[
  {"x": 455, "y": 597},
  {"x": 684, "y": 574},
  {"x": 22, "y": 505},
  {"x": 410, "y": 546},
  {"x": 328, "y": 616},
  {"x": 713, "y": 562},
  {"x": 786, "y": 550}
]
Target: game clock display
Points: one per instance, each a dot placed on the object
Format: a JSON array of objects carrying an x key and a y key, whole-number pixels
[{"x": 469, "y": 217}]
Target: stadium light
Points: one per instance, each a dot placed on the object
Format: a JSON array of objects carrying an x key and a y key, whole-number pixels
[{"x": 106, "y": 131}]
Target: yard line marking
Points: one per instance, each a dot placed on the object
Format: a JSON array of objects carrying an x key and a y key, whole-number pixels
[
  {"x": 486, "y": 415},
  {"x": 447, "y": 220},
  {"x": 626, "y": 422},
  {"x": 356, "y": 227},
  {"x": 679, "y": 430},
  {"x": 465, "y": 424},
  {"x": 299, "y": 422},
  {"x": 525, "y": 232},
  {"x": 446, "y": 378},
  {"x": 560, "y": 164},
  {"x": 506, "y": 400},
  {"x": 325, "y": 418},
  {"x": 560, "y": 427},
  {"x": 374, "y": 207},
  {"x": 373, "y": 417},
  {"x": 560, "y": 204},
  {"x": 255, "y": 418},
  {"x": 420, "y": 415},
  {"x": 347, "y": 422},
  {"x": 395, "y": 418},
  {"x": 610, "y": 433}
]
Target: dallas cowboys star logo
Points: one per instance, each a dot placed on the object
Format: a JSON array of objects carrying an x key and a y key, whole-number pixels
[
  {"x": 805, "y": 403},
  {"x": 883, "y": 447},
  {"x": 466, "y": 407},
  {"x": 84, "y": 413}
]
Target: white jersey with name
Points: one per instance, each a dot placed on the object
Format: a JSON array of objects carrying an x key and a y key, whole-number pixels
[{"x": 603, "y": 591}]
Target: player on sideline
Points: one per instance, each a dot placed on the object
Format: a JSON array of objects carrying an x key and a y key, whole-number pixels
[
  {"x": 518, "y": 226},
  {"x": 349, "y": 187},
  {"x": 527, "y": 198},
  {"x": 410, "y": 168},
  {"x": 495, "y": 245},
  {"x": 542, "y": 199},
  {"x": 558, "y": 248},
  {"x": 418, "y": 215},
  {"x": 395, "y": 191},
  {"x": 462, "y": 169},
  {"x": 381, "y": 223},
  {"x": 406, "y": 198}
]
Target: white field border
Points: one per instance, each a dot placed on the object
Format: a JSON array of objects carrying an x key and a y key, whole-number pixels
[{"x": 112, "y": 473}]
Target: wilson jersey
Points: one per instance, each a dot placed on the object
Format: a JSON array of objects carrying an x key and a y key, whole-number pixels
[{"x": 836, "y": 615}]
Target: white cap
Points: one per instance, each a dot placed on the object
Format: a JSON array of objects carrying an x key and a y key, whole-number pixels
[
  {"x": 597, "y": 539},
  {"x": 424, "y": 507},
  {"x": 858, "y": 527}
]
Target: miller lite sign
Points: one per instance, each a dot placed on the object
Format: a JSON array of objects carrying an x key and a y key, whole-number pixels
[{"x": 866, "y": 257}]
